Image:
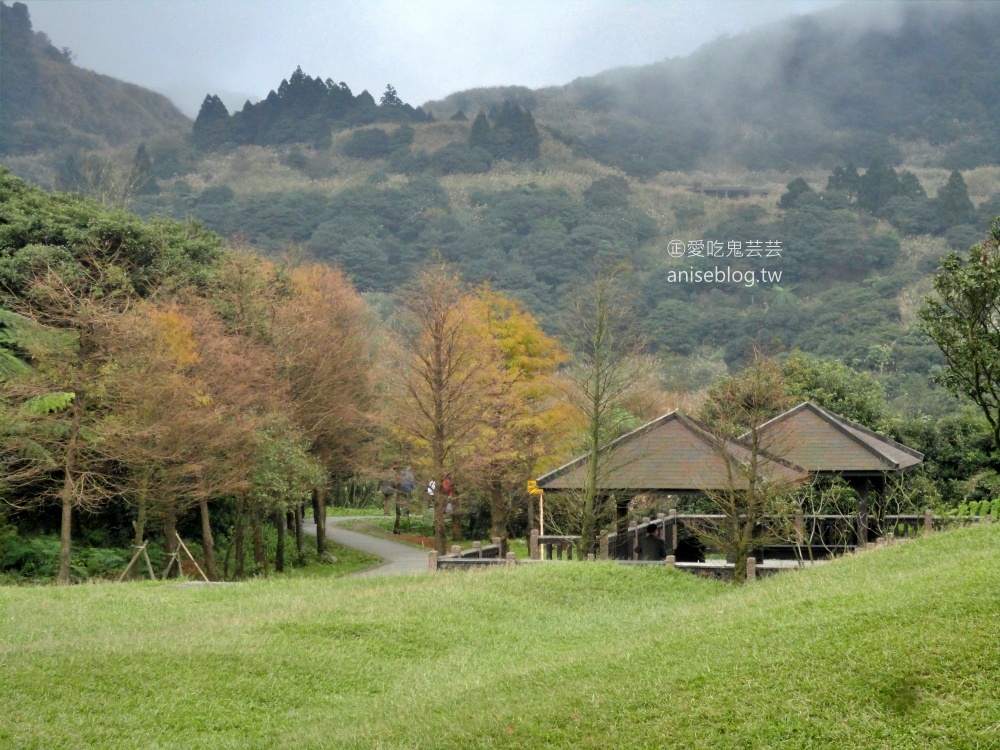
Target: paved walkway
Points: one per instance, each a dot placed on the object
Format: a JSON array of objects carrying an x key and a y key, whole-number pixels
[{"x": 398, "y": 558}]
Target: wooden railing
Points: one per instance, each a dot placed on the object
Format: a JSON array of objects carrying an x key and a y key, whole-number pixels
[{"x": 813, "y": 536}]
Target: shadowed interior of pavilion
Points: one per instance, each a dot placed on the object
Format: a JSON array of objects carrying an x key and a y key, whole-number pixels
[{"x": 675, "y": 455}]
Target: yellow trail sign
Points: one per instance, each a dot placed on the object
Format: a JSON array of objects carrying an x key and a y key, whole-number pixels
[{"x": 533, "y": 488}]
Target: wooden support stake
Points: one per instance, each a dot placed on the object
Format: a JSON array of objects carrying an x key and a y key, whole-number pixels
[
  {"x": 196, "y": 565},
  {"x": 534, "y": 552},
  {"x": 174, "y": 557},
  {"x": 751, "y": 569},
  {"x": 432, "y": 561},
  {"x": 138, "y": 551},
  {"x": 149, "y": 565}
]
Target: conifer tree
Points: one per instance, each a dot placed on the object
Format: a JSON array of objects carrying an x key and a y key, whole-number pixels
[
  {"x": 479, "y": 135},
  {"x": 952, "y": 204}
]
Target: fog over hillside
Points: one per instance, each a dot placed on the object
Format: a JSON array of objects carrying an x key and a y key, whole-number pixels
[{"x": 427, "y": 50}]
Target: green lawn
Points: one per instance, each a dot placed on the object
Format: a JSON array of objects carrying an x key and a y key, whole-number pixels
[
  {"x": 896, "y": 648},
  {"x": 348, "y": 561}
]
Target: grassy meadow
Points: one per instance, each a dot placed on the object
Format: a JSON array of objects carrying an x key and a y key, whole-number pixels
[{"x": 895, "y": 648}]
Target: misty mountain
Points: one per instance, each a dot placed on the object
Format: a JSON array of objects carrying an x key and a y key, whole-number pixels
[
  {"x": 840, "y": 86},
  {"x": 46, "y": 102}
]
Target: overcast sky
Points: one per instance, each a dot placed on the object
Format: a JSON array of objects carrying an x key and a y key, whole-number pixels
[{"x": 426, "y": 49}]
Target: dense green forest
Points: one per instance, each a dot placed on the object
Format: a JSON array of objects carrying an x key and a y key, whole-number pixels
[{"x": 303, "y": 109}]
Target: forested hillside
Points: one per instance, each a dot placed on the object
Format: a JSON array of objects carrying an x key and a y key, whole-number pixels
[
  {"x": 840, "y": 131},
  {"x": 848, "y": 84},
  {"x": 47, "y": 103}
]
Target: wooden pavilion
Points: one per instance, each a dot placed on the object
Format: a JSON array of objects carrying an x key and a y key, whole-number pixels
[
  {"x": 827, "y": 444},
  {"x": 673, "y": 455},
  {"x": 677, "y": 455}
]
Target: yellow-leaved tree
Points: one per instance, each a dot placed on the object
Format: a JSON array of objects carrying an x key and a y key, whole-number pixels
[{"x": 521, "y": 418}]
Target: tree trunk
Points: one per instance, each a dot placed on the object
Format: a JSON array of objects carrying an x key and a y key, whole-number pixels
[
  {"x": 65, "y": 535},
  {"x": 207, "y": 542},
  {"x": 319, "y": 513},
  {"x": 66, "y": 526},
  {"x": 299, "y": 539},
  {"x": 456, "y": 518},
  {"x": 279, "y": 553},
  {"x": 440, "y": 535},
  {"x": 258, "y": 541},
  {"x": 238, "y": 536},
  {"x": 170, "y": 539},
  {"x": 498, "y": 512},
  {"x": 140, "y": 516}
]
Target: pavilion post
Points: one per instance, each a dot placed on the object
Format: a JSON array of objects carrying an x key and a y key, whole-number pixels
[{"x": 862, "y": 522}]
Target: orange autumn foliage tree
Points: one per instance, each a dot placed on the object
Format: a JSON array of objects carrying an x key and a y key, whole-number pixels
[
  {"x": 446, "y": 366},
  {"x": 322, "y": 340},
  {"x": 193, "y": 400}
]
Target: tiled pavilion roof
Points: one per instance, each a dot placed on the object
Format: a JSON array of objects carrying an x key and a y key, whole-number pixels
[
  {"x": 674, "y": 454},
  {"x": 825, "y": 443}
]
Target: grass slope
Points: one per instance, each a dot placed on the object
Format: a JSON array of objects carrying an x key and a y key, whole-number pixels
[{"x": 895, "y": 648}]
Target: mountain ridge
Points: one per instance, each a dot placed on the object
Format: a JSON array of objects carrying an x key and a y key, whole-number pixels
[{"x": 47, "y": 103}]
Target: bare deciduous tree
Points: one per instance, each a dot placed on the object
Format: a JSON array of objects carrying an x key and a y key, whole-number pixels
[
  {"x": 605, "y": 367},
  {"x": 755, "y": 502}
]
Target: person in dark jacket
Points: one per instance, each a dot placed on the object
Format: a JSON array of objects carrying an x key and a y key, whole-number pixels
[{"x": 651, "y": 547}]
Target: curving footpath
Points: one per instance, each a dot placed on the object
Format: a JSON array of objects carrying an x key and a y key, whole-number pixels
[{"x": 398, "y": 558}]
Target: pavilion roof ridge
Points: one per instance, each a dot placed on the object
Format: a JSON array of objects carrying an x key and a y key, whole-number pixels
[
  {"x": 847, "y": 428},
  {"x": 642, "y": 429}
]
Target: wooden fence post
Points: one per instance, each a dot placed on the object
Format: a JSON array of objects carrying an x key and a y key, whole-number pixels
[
  {"x": 633, "y": 540},
  {"x": 590, "y": 557},
  {"x": 456, "y": 549},
  {"x": 751, "y": 569},
  {"x": 432, "y": 561},
  {"x": 928, "y": 521},
  {"x": 671, "y": 561},
  {"x": 673, "y": 531},
  {"x": 604, "y": 545},
  {"x": 498, "y": 541},
  {"x": 511, "y": 560},
  {"x": 477, "y": 547},
  {"x": 533, "y": 549}
]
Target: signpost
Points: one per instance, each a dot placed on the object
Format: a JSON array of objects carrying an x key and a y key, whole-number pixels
[{"x": 533, "y": 489}]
